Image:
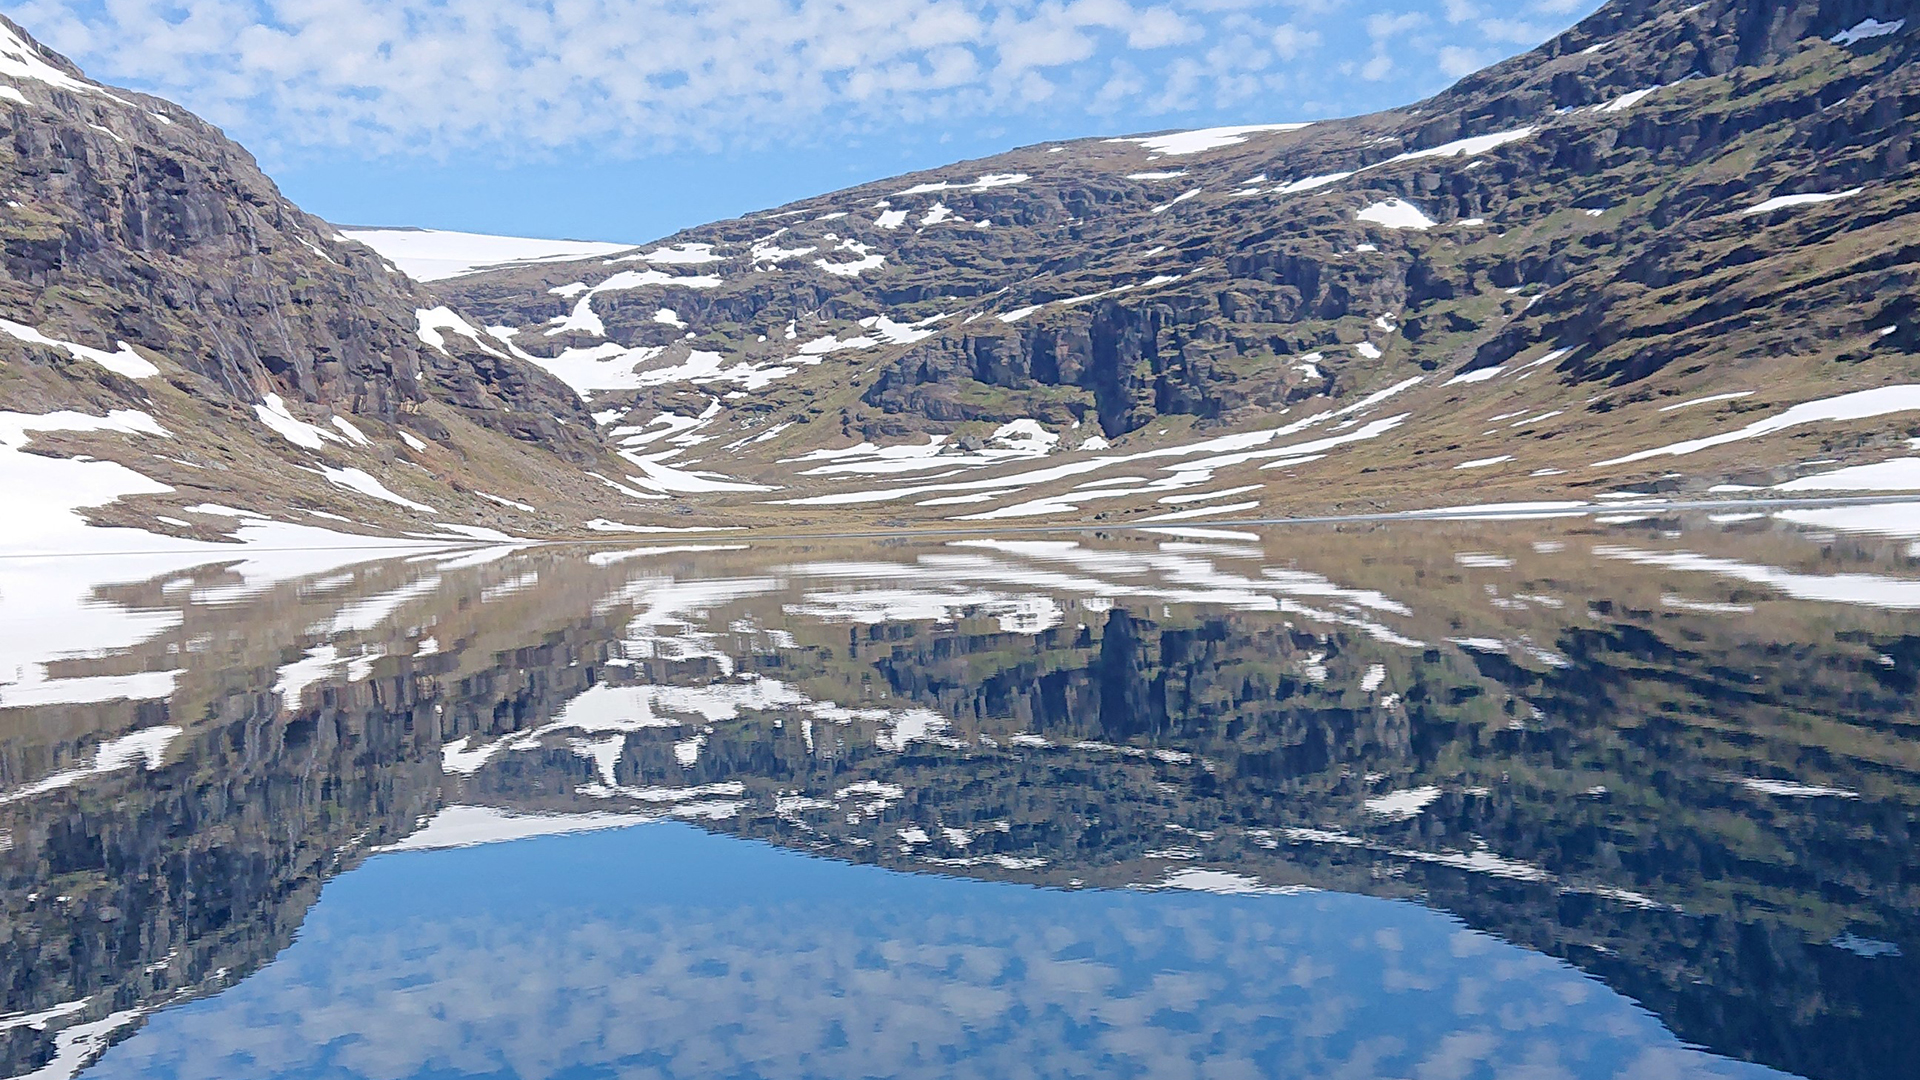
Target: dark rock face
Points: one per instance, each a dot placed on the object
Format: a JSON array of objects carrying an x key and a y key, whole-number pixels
[{"x": 130, "y": 219}]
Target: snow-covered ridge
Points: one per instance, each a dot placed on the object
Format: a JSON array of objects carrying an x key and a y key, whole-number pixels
[
  {"x": 437, "y": 254},
  {"x": 18, "y": 60}
]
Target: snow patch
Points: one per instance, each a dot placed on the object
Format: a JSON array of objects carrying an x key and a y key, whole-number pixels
[
  {"x": 1201, "y": 140},
  {"x": 990, "y": 180},
  {"x": 470, "y": 826},
  {"x": 366, "y": 484},
  {"x": 1867, "y": 29},
  {"x": 1402, "y": 805},
  {"x": 1396, "y": 214},
  {"x": 1859, "y": 405},
  {"x": 1899, "y": 474},
  {"x": 1781, "y": 202},
  {"x": 273, "y": 413},
  {"x": 123, "y": 362}
]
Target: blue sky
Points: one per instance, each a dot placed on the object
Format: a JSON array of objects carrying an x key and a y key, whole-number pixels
[{"x": 598, "y": 119}]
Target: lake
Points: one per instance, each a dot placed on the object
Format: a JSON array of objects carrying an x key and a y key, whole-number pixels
[{"x": 1625, "y": 796}]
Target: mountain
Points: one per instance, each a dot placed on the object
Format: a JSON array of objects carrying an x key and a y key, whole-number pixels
[
  {"x": 1669, "y": 251},
  {"x": 1522, "y": 277},
  {"x": 151, "y": 270}
]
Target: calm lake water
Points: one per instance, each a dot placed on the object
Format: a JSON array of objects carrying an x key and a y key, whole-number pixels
[{"x": 1621, "y": 797}]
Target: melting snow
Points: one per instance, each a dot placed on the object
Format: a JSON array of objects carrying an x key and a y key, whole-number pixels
[
  {"x": 894, "y": 333},
  {"x": 468, "y": 826},
  {"x": 433, "y": 320},
  {"x": 677, "y": 255},
  {"x": 1780, "y": 202},
  {"x": 19, "y": 61},
  {"x": 361, "y": 481},
  {"x": 1468, "y": 147},
  {"x": 991, "y": 180},
  {"x": 1859, "y": 405},
  {"x": 1734, "y": 396},
  {"x": 353, "y": 434},
  {"x": 859, "y": 266},
  {"x": 123, "y": 362},
  {"x": 1175, "y": 201},
  {"x": 635, "y": 279},
  {"x": 1867, "y": 28},
  {"x": 1477, "y": 376},
  {"x": 1899, "y": 474},
  {"x": 608, "y": 366},
  {"x": 1310, "y": 183},
  {"x": 273, "y": 413},
  {"x": 1176, "y": 144},
  {"x": 1789, "y": 789},
  {"x": 1396, "y": 214},
  {"x": 1402, "y": 805},
  {"x": 1627, "y": 100}
]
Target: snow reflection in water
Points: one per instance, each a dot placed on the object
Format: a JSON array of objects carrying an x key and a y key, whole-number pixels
[{"x": 1162, "y": 802}]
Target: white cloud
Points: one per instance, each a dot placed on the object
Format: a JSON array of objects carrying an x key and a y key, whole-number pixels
[
  {"x": 1289, "y": 41},
  {"x": 1387, "y": 26},
  {"x": 1513, "y": 31},
  {"x": 1027, "y": 46},
  {"x": 1159, "y": 27},
  {"x": 1457, "y": 62},
  {"x": 521, "y": 78},
  {"x": 1385, "y": 29}
]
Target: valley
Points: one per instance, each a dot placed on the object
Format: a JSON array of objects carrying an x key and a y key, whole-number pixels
[{"x": 1666, "y": 255}]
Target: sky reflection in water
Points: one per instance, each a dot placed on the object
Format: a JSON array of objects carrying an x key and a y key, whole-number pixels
[
  {"x": 663, "y": 951},
  {"x": 1544, "y": 798}
]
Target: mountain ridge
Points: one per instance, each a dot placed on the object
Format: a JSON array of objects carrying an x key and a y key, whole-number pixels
[
  {"x": 1263, "y": 299},
  {"x": 1670, "y": 229}
]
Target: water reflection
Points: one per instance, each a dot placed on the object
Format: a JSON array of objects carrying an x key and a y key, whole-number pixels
[
  {"x": 1670, "y": 755},
  {"x": 673, "y": 953}
]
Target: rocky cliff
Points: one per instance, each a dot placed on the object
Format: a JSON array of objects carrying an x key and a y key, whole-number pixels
[{"x": 147, "y": 264}]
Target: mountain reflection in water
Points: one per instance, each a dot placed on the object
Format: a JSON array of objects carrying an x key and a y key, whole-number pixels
[{"x": 1553, "y": 798}]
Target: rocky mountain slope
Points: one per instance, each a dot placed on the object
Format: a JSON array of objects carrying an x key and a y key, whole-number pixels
[
  {"x": 153, "y": 275},
  {"x": 1669, "y": 251},
  {"x": 1522, "y": 288}
]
